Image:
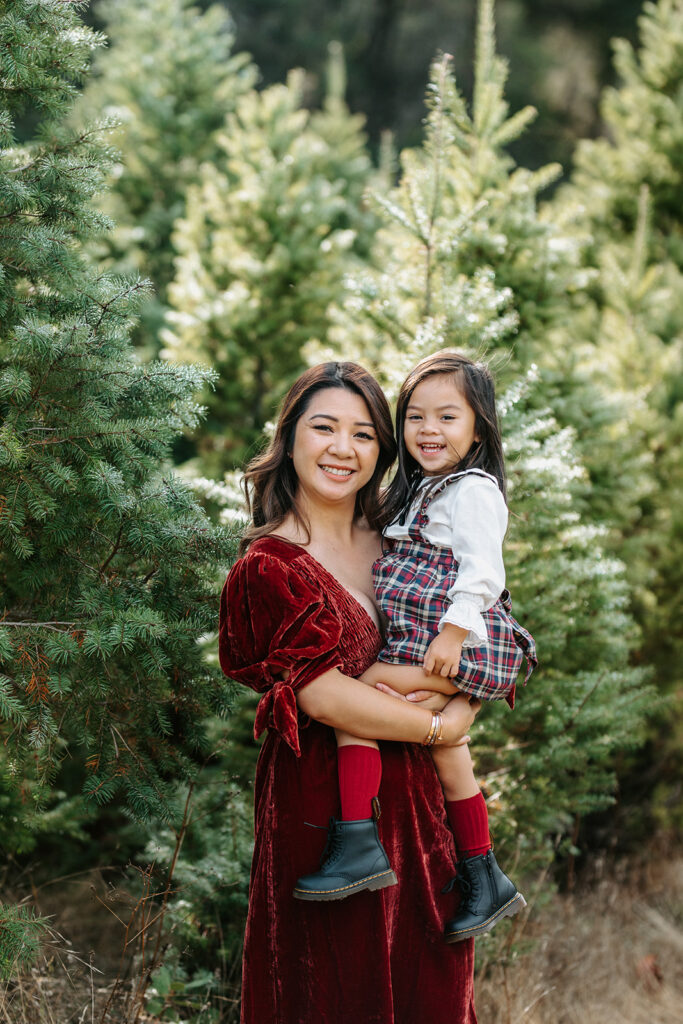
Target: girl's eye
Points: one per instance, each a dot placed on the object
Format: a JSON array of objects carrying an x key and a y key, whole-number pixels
[
  {"x": 447, "y": 416},
  {"x": 414, "y": 416}
]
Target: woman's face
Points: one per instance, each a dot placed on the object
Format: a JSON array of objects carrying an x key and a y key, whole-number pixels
[{"x": 335, "y": 447}]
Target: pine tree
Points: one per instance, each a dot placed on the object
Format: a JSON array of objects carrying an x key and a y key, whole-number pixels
[
  {"x": 643, "y": 117},
  {"x": 108, "y": 567},
  {"x": 465, "y": 259},
  {"x": 624, "y": 196},
  {"x": 169, "y": 79},
  {"x": 269, "y": 233}
]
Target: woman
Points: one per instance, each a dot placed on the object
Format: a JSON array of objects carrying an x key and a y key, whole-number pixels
[{"x": 298, "y": 623}]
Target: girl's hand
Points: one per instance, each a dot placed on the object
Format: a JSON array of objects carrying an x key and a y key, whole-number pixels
[{"x": 443, "y": 654}]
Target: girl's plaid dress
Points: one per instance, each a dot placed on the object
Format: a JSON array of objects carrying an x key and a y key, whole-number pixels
[{"x": 412, "y": 581}]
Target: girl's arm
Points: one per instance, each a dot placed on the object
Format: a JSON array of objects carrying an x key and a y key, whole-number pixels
[
  {"x": 476, "y": 515},
  {"x": 348, "y": 704},
  {"x": 406, "y": 679}
]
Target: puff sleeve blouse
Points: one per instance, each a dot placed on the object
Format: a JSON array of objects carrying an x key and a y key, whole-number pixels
[{"x": 274, "y": 622}]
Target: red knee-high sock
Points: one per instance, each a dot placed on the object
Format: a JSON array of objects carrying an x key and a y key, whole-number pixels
[
  {"x": 469, "y": 820},
  {"x": 360, "y": 771}
]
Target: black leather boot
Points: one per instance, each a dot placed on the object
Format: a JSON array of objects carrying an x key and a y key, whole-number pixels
[
  {"x": 488, "y": 896},
  {"x": 353, "y": 860}
]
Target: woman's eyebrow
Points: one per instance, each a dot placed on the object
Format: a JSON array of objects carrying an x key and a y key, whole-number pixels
[{"x": 335, "y": 419}]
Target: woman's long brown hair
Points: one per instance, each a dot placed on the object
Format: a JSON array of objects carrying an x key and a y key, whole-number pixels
[{"x": 270, "y": 482}]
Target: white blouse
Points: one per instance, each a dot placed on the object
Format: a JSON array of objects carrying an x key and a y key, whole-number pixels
[{"x": 470, "y": 517}]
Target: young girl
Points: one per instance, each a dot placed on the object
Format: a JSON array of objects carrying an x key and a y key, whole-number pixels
[{"x": 440, "y": 584}]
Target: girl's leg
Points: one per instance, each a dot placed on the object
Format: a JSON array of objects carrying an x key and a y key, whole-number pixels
[
  {"x": 488, "y": 895},
  {"x": 465, "y": 804},
  {"x": 355, "y": 858},
  {"x": 360, "y": 771}
]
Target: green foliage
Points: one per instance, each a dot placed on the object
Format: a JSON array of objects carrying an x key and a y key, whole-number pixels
[
  {"x": 644, "y": 120},
  {"x": 625, "y": 197},
  {"x": 204, "y": 919},
  {"x": 559, "y": 55},
  {"x": 109, "y": 567},
  {"x": 168, "y": 78},
  {"x": 552, "y": 761},
  {"x": 20, "y": 936},
  {"x": 269, "y": 233}
]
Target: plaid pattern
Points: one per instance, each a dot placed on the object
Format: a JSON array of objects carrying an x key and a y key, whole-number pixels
[{"x": 411, "y": 583}]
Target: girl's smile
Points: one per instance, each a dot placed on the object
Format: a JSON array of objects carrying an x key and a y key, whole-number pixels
[{"x": 439, "y": 427}]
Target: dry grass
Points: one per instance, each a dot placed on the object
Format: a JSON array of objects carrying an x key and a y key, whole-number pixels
[{"x": 610, "y": 954}]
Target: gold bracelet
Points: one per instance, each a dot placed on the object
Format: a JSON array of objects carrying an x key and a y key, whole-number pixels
[
  {"x": 435, "y": 727},
  {"x": 439, "y": 732},
  {"x": 429, "y": 738}
]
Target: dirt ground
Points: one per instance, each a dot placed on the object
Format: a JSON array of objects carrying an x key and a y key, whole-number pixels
[{"x": 611, "y": 953}]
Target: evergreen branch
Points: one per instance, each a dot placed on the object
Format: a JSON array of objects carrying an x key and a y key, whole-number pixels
[
  {"x": 38, "y": 625},
  {"x": 570, "y": 722},
  {"x": 20, "y": 213},
  {"x": 117, "y": 543},
  {"x": 83, "y": 437},
  {"x": 66, "y": 147}
]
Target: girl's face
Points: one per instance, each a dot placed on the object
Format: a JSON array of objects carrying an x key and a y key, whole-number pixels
[
  {"x": 439, "y": 424},
  {"x": 335, "y": 447}
]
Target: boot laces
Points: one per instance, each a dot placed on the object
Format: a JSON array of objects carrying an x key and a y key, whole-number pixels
[
  {"x": 469, "y": 885},
  {"x": 333, "y": 844}
]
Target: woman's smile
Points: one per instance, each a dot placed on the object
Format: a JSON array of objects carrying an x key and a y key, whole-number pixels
[
  {"x": 337, "y": 471},
  {"x": 335, "y": 446}
]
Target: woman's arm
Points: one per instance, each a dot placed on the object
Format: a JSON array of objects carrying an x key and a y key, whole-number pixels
[
  {"x": 348, "y": 704},
  {"x": 407, "y": 679}
]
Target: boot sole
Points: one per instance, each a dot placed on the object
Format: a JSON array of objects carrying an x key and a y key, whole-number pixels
[
  {"x": 511, "y": 908},
  {"x": 380, "y": 881}
]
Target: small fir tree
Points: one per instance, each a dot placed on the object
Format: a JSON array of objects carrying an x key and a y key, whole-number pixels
[
  {"x": 168, "y": 77},
  {"x": 269, "y": 233},
  {"x": 643, "y": 118},
  {"x": 624, "y": 196},
  {"x": 108, "y": 567}
]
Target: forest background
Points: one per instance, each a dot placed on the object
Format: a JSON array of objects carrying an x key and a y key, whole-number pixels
[{"x": 185, "y": 223}]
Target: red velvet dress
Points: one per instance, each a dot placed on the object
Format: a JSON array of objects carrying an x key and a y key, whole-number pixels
[{"x": 376, "y": 957}]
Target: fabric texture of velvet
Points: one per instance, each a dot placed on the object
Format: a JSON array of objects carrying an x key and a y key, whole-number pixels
[{"x": 376, "y": 957}]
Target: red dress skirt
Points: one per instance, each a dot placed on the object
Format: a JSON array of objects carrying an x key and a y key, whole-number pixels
[{"x": 376, "y": 957}]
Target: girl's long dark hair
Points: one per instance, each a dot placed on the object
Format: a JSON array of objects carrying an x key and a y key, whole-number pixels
[
  {"x": 475, "y": 382},
  {"x": 270, "y": 482}
]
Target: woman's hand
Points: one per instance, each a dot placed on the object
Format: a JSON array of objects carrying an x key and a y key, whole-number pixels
[
  {"x": 458, "y": 712},
  {"x": 425, "y": 698},
  {"x": 406, "y": 679},
  {"x": 457, "y": 717}
]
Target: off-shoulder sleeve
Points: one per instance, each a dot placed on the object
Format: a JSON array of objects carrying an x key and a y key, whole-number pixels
[{"x": 273, "y": 621}]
